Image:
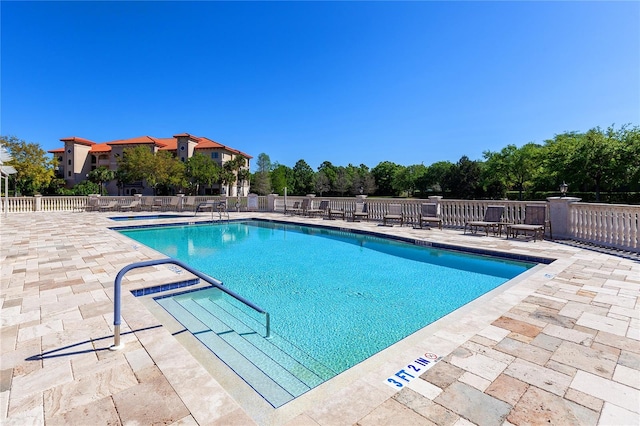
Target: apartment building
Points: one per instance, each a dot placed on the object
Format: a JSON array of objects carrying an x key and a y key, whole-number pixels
[{"x": 79, "y": 156}]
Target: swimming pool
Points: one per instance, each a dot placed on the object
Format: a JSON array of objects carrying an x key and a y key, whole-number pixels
[{"x": 335, "y": 298}]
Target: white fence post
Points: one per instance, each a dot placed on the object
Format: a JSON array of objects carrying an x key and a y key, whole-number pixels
[
  {"x": 37, "y": 204},
  {"x": 559, "y": 216},
  {"x": 271, "y": 202}
]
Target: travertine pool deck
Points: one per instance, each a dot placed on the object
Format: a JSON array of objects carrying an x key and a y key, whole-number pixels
[{"x": 559, "y": 345}]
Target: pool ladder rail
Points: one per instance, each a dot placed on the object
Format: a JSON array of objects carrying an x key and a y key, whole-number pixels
[
  {"x": 219, "y": 206},
  {"x": 117, "y": 295}
]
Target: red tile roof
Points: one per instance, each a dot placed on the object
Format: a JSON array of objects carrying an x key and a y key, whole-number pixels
[
  {"x": 100, "y": 147},
  {"x": 76, "y": 139},
  {"x": 206, "y": 143},
  {"x": 136, "y": 141},
  {"x": 169, "y": 144},
  {"x": 56, "y": 151},
  {"x": 165, "y": 144}
]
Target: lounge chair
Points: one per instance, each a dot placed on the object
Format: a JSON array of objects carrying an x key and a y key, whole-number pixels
[
  {"x": 535, "y": 220},
  {"x": 429, "y": 214},
  {"x": 492, "y": 220},
  {"x": 331, "y": 212},
  {"x": 393, "y": 213},
  {"x": 174, "y": 205},
  {"x": 93, "y": 204},
  {"x": 134, "y": 205},
  {"x": 301, "y": 208},
  {"x": 189, "y": 203},
  {"x": 322, "y": 208},
  {"x": 361, "y": 211},
  {"x": 148, "y": 204},
  {"x": 295, "y": 208},
  {"x": 110, "y": 206}
]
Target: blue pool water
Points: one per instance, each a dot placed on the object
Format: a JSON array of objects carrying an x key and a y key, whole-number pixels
[{"x": 337, "y": 297}]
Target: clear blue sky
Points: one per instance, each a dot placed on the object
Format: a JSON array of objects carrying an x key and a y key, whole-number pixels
[{"x": 346, "y": 82}]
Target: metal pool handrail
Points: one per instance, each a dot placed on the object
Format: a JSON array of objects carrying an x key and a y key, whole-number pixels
[
  {"x": 117, "y": 293},
  {"x": 221, "y": 207}
]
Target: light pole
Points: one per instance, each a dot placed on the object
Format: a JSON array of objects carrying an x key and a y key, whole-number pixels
[{"x": 563, "y": 189}]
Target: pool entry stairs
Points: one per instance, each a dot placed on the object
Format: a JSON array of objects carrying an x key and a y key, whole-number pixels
[{"x": 272, "y": 366}]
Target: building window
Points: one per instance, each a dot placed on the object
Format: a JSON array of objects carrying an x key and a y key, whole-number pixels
[
  {"x": 182, "y": 148},
  {"x": 69, "y": 173},
  {"x": 68, "y": 151},
  {"x": 69, "y": 161},
  {"x": 60, "y": 159},
  {"x": 182, "y": 159},
  {"x": 214, "y": 155},
  {"x": 93, "y": 159}
]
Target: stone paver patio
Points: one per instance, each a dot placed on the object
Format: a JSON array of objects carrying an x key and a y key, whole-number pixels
[{"x": 558, "y": 345}]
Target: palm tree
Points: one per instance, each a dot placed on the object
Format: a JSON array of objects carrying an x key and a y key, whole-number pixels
[{"x": 101, "y": 176}]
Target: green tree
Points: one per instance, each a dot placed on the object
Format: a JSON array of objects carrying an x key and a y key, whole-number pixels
[
  {"x": 159, "y": 171},
  {"x": 405, "y": 179},
  {"x": 330, "y": 171},
  {"x": 101, "y": 176},
  {"x": 261, "y": 182},
  {"x": 201, "y": 170},
  {"x": 384, "y": 174},
  {"x": 630, "y": 140},
  {"x": 363, "y": 181},
  {"x": 513, "y": 167},
  {"x": 464, "y": 179},
  {"x": 121, "y": 178},
  {"x": 169, "y": 173},
  {"x": 343, "y": 181},
  {"x": 138, "y": 164},
  {"x": 321, "y": 183},
  {"x": 433, "y": 178},
  {"x": 85, "y": 187},
  {"x": 601, "y": 156},
  {"x": 596, "y": 160},
  {"x": 302, "y": 178},
  {"x": 281, "y": 178},
  {"x": 236, "y": 166},
  {"x": 33, "y": 165}
]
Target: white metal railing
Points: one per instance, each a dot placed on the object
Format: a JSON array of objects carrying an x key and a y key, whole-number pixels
[
  {"x": 18, "y": 204},
  {"x": 53, "y": 204},
  {"x": 612, "y": 225}
]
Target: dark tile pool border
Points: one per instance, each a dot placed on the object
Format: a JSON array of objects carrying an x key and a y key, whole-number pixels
[
  {"x": 418, "y": 242},
  {"x": 164, "y": 287},
  {"x": 145, "y": 217}
]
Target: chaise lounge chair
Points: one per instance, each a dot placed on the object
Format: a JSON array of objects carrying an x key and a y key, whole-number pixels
[
  {"x": 361, "y": 211},
  {"x": 394, "y": 213},
  {"x": 304, "y": 207},
  {"x": 111, "y": 206},
  {"x": 492, "y": 220},
  {"x": 429, "y": 214},
  {"x": 295, "y": 209},
  {"x": 189, "y": 203},
  {"x": 322, "y": 208},
  {"x": 174, "y": 205},
  {"x": 331, "y": 212},
  {"x": 93, "y": 204},
  {"x": 535, "y": 220},
  {"x": 134, "y": 205}
]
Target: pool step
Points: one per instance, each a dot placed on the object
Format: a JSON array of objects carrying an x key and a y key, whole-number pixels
[
  {"x": 276, "y": 345},
  {"x": 274, "y": 373}
]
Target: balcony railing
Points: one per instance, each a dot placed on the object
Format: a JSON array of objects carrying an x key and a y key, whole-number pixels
[{"x": 610, "y": 225}]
